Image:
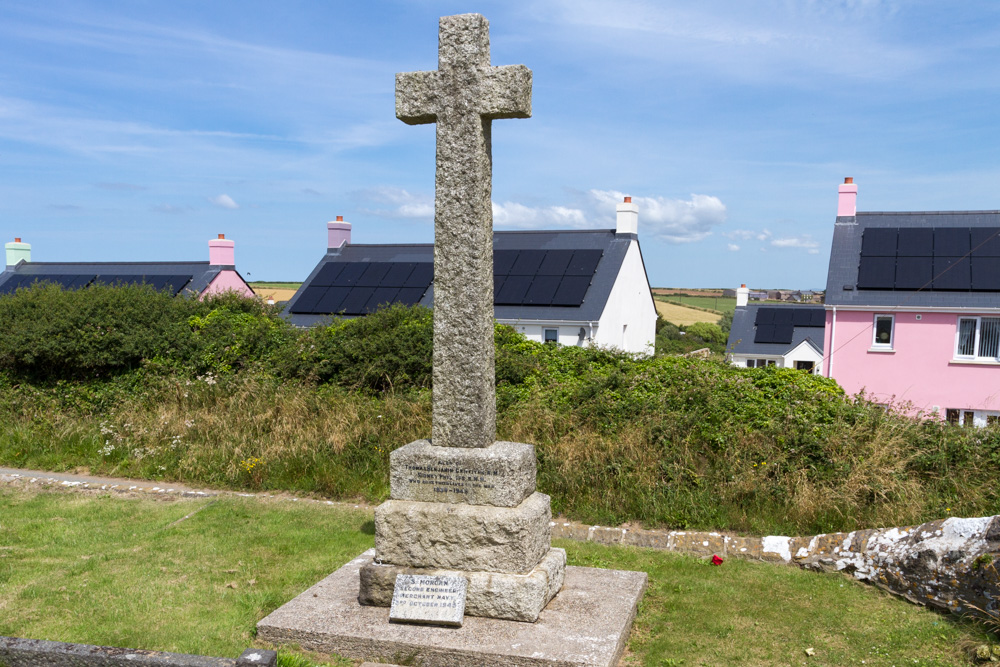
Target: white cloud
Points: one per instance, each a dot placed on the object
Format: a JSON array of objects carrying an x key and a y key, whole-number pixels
[
  {"x": 392, "y": 202},
  {"x": 519, "y": 216},
  {"x": 673, "y": 220},
  {"x": 732, "y": 247},
  {"x": 225, "y": 201},
  {"x": 805, "y": 242}
]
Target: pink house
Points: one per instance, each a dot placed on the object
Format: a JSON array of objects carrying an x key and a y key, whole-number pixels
[
  {"x": 913, "y": 309},
  {"x": 218, "y": 274}
]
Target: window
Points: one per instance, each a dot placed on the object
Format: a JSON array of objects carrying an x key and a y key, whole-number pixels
[
  {"x": 551, "y": 336},
  {"x": 978, "y": 338},
  {"x": 759, "y": 363},
  {"x": 805, "y": 366},
  {"x": 951, "y": 416},
  {"x": 882, "y": 337}
]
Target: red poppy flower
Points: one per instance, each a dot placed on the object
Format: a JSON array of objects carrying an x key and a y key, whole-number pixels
[{"x": 716, "y": 560}]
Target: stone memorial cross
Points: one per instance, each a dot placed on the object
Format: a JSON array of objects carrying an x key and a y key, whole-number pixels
[{"x": 462, "y": 97}]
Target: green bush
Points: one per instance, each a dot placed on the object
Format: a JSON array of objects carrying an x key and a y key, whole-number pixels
[{"x": 235, "y": 333}]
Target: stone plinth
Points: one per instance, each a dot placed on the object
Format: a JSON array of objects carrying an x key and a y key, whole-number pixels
[
  {"x": 587, "y": 623},
  {"x": 514, "y": 597},
  {"x": 463, "y": 537},
  {"x": 502, "y": 474}
]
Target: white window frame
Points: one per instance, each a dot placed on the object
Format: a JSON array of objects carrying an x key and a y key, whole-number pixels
[
  {"x": 876, "y": 343},
  {"x": 976, "y": 339},
  {"x": 546, "y": 330}
]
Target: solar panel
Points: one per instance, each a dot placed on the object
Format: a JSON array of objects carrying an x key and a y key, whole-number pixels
[
  {"x": 986, "y": 274},
  {"x": 423, "y": 274},
  {"x": 10, "y": 285},
  {"x": 527, "y": 262},
  {"x": 784, "y": 316},
  {"x": 555, "y": 262},
  {"x": 79, "y": 281},
  {"x": 913, "y": 273},
  {"x": 878, "y": 242},
  {"x": 985, "y": 241},
  {"x": 876, "y": 272},
  {"x": 915, "y": 242},
  {"x": 381, "y": 297},
  {"x": 765, "y": 316},
  {"x": 513, "y": 291},
  {"x": 328, "y": 274},
  {"x": 354, "y": 302},
  {"x": 410, "y": 296},
  {"x": 951, "y": 242},
  {"x": 397, "y": 274},
  {"x": 350, "y": 273},
  {"x": 541, "y": 291},
  {"x": 571, "y": 291},
  {"x": 309, "y": 298},
  {"x": 503, "y": 260},
  {"x": 952, "y": 273},
  {"x": 803, "y": 317},
  {"x": 498, "y": 283},
  {"x": 818, "y": 317},
  {"x": 783, "y": 333},
  {"x": 584, "y": 263},
  {"x": 332, "y": 300},
  {"x": 764, "y": 333},
  {"x": 373, "y": 274},
  {"x": 177, "y": 283}
]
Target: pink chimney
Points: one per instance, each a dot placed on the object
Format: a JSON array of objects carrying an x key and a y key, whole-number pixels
[
  {"x": 338, "y": 233},
  {"x": 221, "y": 252},
  {"x": 847, "y": 200}
]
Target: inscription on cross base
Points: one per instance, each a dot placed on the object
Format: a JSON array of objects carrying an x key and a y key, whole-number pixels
[{"x": 462, "y": 97}]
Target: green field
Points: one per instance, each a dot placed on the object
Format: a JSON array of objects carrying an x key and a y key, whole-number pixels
[
  {"x": 195, "y": 576},
  {"x": 717, "y": 304},
  {"x": 276, "y": 285}
]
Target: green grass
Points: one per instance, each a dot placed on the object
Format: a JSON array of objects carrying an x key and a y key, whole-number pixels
[
  {"x": 720, "y": 305},
  {"x": 276, "y": 285},
  {"x": 194, "y": 576}
]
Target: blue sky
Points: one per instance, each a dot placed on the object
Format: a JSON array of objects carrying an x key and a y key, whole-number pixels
[{"x": 139, "y": 130}]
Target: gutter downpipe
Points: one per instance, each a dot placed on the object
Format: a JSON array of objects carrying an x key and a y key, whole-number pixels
[{"x": 833, "y": 333}]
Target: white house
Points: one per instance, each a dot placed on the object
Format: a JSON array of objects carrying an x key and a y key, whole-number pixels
[
  {"x": 776, "y": 335},
  {"x": 577, "y": 287}
]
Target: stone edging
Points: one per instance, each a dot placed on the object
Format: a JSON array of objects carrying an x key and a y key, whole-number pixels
[{"x": 17, "y": 652}]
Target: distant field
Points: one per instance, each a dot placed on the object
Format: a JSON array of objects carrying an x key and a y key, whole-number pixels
[
  {"x": 682, "y": 316},
  {"x": 717, "y": 303},
  {"x": 276, "y": 291},
  {"x": 276, "y": 285},
  {"x": 685, "y": 290}
]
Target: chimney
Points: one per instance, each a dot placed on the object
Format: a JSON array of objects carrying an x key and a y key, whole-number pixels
[
  {"x": 338, "y": 233},
  {"x": 17, "y": 251},
  {"x": 221, "y": 252},
  {"x": 628, "y": 217},
  {"x": 742, "y": 296},
  {"x": 847, "y": 198}
]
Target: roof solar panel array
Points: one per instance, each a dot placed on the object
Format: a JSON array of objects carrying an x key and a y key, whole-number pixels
[
  {"x": 358, "y": 288},
  {"x": 171, "y": 283},
  {"x": 543, "y": 277},
  {"x": 959, "y": 259},
  {"x": 777, "y": 325}
]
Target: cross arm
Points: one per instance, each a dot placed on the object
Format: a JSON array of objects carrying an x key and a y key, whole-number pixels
[
  {"x": 416, "y": 97},
  {"x": 506, "y": 92}
]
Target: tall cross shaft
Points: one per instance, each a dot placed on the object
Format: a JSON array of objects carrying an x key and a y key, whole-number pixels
[{"x": 462, "y": 97}]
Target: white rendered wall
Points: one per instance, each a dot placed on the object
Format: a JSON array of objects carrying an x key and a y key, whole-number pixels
[
  {"x": 629, "y": 318},
  {"x": 804, "y": 352},
  {"x": 569, "y": 334}
]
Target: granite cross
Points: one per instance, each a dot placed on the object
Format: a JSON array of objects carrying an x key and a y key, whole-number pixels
[{"x": 462, "y": 97}]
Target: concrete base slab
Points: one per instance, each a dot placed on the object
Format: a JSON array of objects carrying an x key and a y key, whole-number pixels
[{"x": 587, "y": 623}]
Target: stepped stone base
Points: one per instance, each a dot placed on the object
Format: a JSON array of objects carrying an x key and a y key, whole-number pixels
[
  {"x": 455, "y": 536},
  {"x": 515, "y": 597},
  {"x": 586, "y": 623}
]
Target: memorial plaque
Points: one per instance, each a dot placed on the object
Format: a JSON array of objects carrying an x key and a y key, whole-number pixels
[{"x": 420, "y": 598}]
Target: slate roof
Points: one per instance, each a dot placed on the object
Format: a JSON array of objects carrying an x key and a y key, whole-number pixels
[
  {"x": 193, "y": 276},
  {"x": 610, "y": 247},
  {"x": 744, "y": 331},
  {"x": 842, "y": 287}
]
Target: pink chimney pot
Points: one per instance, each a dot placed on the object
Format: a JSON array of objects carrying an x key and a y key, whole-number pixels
[
  {"x": 221, "y": 252},
  {"x": 338, "y": 233},
  {"x": 847, "y": 198}
]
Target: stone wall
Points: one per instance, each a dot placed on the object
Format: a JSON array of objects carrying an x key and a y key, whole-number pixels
[
  {"x": 950, "y": 563},
  {"x": 16, "y": 652}
]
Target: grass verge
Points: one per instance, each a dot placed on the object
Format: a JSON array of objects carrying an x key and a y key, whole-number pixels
[{"x": 194, "y": 576}]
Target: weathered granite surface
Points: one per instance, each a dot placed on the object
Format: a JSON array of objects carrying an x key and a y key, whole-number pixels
[
  {"x": 456, "y": 536},
  {"x": 462, "y": 97},
  {"x": 502, "y": 474},
  {"x": 587, "y": 623},
  {"x": 18, "y": 652},
  {"x": 515, "y": 597}
]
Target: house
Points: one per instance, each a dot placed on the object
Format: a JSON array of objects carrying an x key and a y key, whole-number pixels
[
  {"x": 579, "y": 287},
  {"x": 775, "y": 335},
  {"x": 913, "y": 309},
  {"x": 218, "y": 274}
]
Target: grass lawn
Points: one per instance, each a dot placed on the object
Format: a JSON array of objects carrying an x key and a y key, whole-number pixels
[
  {"x": 194, "y": 576},
  {"x": 276, "y": 285},
  {"x": 718, "y": 304}
]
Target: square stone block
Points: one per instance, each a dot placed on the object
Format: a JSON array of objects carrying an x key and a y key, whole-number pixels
[
  {"x": 502, "y": 474},
  {"x": 453, "y": 536},
  {"x": 514, "y": 597}
]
